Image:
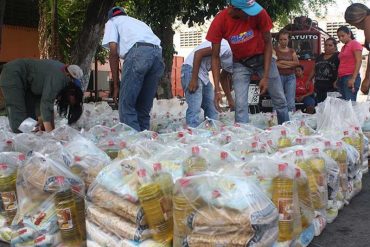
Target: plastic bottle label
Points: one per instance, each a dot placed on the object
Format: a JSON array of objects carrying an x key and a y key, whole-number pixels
[
  {"x": 65, "y": 219},
  {"x": 9, "y": 200},
  {"x": 285, "y": 207}
]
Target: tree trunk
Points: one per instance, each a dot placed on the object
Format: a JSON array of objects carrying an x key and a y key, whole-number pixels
[
  {"x": 54, "y": 49},
  {"x": 165, "y": 34},
  {"x": 2, "y": 11},
  {"x": 89, "y": 38},
  {"x": 44, "y": 35}
]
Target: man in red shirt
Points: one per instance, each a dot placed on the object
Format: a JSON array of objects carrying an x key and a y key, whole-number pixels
[{"x": 246, "y": 26}]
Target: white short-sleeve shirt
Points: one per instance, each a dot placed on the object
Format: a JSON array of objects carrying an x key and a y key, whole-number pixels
[
  {"x": 126, "y": 31},
  {"x": 226, "y": 58}
]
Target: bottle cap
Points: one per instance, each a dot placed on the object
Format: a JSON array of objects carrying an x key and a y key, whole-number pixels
[
  {"x": 315, "y": 150},
  {"x": 141, "y": 173},
  {"x": 195, "y": 150},
  {"x": 282, "y": 167},
  {"x": 224, "y": 155},
  {"x": 339, "y": 144},
  {"x": 254, "y": 144},
  {"x": 346, "y": 133},
  {"x": 180, "y": 134},
  {"x": 327, "y": 144},
  {"x": 283, "y": 132},
  {"x": 299, "y": 153},
  {"x": 157, "y": 167},
  {"x": 123, "y": 144}
]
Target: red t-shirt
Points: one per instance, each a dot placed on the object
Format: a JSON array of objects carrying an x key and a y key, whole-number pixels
[
  {"x": 301, "y": 87},
  {"x": 347, "y": 58},
  {"x": 244, "y": 36}
]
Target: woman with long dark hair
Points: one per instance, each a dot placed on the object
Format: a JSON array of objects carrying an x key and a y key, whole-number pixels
[
  {"x": 358, "y": 15},
  {"x": 31, "y": 87},
  {"x": 325, "y": 72},
  {"x": 350, "y": 58}
]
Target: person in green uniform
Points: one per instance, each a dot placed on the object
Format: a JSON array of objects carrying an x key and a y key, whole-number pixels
[{"x": 31, "y": 87}]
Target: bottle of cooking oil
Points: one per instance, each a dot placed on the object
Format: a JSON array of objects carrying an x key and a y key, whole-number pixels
[
  {"x": 164, "y": 179},
  {"x": 305, "y": 202},
  {"x": 157, "y": 215},
  {"x": 303, "y": 129},
  {"x": 303, "y": 164},
  {"x": 317, "y": 165},
  {"x": 8, "y": 192},
  {"x": 282, "y": 197},
  {"x": 67, "y": 217},
  {"x": 80, "y": 208},
  {"x": 284, "y": 141},
  {"x": 358, "y": 143},
  {"x": 195, "y": 163}
]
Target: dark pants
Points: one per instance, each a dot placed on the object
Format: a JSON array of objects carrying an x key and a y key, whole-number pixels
[
  {"x": 141, "y": 71},
  {"x": 20, "y": 103}
]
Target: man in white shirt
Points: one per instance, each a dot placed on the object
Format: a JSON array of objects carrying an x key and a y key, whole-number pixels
[
  {"x": 196, "y": 84},
  {"x": 134, "y": 42}
]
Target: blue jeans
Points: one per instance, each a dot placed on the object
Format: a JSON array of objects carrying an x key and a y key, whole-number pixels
[
  {"x": 142, "y": 69},
  {"x": 346, "y": 92},
  {"x": 289, "y": 84},
  {"x": 203, "y": 98},
  {"x": 241, "y": 79}
]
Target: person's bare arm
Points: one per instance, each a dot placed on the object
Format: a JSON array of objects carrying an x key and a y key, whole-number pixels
[
  {"x": 351, "y": 81},
  {"x": 310, "y": 77},
  {"x": 198, "y": 56},
  {"x": 216, "y": 66},
  {"x": 114, "y": 67},
  {"x": 263, "y": 84},
  {"x": 226, "y": 87}
]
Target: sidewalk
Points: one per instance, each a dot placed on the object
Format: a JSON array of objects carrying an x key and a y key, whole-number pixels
[{"x": 352, "y": 226}]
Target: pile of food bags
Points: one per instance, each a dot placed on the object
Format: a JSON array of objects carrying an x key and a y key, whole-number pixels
[{"x": 257, "y": 184}]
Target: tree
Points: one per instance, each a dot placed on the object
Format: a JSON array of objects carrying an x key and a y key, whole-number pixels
[{"x": 71, "y": 30}]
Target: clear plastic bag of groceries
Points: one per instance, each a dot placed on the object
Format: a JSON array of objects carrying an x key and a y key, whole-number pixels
[
  {"x": 196, "y": 160},
  {"x": 280, "y": 182},
  {"x": 211, "y": 125},
  {"x": 171, "y": 160},
  {"x": 356, "y": 138},
  {"x": 263, "y": 120},
  {"x": 299, "y": 127},
  {"x": 362, "y": 112},
  {"x": 9, "y": 163},
  {"x": 309, "y": 119},
  {"x": 51, "y": 204},
  {"x": 6, "y": 141},
  {"x": 277, "y": 137},
  {"x": 314, "y": 165},
  {"x": 335, "y": 114},
  {"x": 127, "y": 198},
  {"x": 212, "y": 210},
  {"x": 25, "y": 143},
  {"x": 246, "y": 148},
  {"x": 144, "y": 148},
  {"x": 88, "y": 159},
  {"x": 65, "y": 134},
  {"x": 56, "y": 151}
]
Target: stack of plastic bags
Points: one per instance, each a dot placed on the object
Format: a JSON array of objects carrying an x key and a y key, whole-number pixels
[
  {"x": 131, "y": 203},
  {"x": 51, "y": 205}
]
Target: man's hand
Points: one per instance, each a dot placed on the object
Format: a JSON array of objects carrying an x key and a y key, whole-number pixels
[
  {"x": 217, "y": 100},
  {"x": 365, "y": 85},
  {"x": 307, "y": 84},
  {"x": 351, "y": 84},
  {"x": 299, "y": 98},
  {"x": 263, "y": 85},
  {"x": 193, "y": 85}
]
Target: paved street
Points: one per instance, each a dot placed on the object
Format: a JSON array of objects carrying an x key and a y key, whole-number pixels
[{"x": 352, "y": 226}]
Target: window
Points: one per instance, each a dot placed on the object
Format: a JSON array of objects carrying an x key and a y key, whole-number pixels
[{"x": 189, "y": 39}]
